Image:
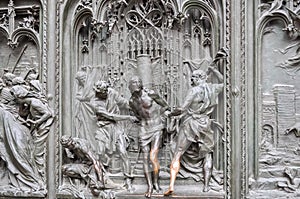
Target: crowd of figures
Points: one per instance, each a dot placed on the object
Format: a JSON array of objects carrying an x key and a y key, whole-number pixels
[
  {"x": 100, "y": 133},
  {"x": 25, "y": 120}
]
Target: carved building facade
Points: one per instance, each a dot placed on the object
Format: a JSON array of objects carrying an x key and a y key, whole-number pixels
[{"x": 67, "y": 46}]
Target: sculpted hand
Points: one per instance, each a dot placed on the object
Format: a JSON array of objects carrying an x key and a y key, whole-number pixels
[
  {"x": 133, "y": 119},
  {"x": 33, "y": 122},
  {"x": 29, "y": 121},
  {"x": 167, "y": 113}
]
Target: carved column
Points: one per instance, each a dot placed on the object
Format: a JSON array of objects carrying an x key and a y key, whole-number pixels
[
  {"x": 53, "y": 70},
  {"x": 144, "y": 69}
]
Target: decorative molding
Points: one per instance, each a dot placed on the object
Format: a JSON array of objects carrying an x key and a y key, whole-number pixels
[
  {"x": 243, "y": 100},
  {"x": 228, "y": 90},
  {"x": 45, "y": 46},
  {"x": 57, "y": 90}
]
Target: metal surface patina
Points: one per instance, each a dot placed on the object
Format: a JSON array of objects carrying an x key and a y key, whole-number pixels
[{"x": 149, "y": 99}]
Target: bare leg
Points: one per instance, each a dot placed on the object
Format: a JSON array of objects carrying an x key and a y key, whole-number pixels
[
  {"x": 207, "y": 171},
  {"x": 182, "y": 145},
  {"x": 155, "y": 163},
  {"x": 174, "y": 169},
  {"x": 156, "y": 167},
  {"x": 126, "y": 163},
  {"x": 98, "y": 166},
  {"x": 147, "y": 173}
]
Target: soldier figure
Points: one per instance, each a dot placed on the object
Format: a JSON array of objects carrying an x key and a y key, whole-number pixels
[
  {"x": 195, "y": 124},
  {"x": 110, "y": 135}
]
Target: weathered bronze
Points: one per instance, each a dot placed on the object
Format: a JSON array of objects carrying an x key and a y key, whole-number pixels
[
  {"x": 181, "y": 98},
  {"x": 149, "y": 108}
]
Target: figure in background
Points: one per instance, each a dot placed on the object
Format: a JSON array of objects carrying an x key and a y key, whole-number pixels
[
  {"x": 267, "y": 137},
  {"x": 6, "y": 96},
  {"x": 85, "y": 166},
  {"x": 195, "y": 125},
  {"x": 149, "y": 108},
  {"x": 35, "y": 86},
  {"x": 110, "y": 135},
  {"x": 84, "y": 116},
  {"x": 15, "y": 150},
  {"x": 40, "y": 118}
]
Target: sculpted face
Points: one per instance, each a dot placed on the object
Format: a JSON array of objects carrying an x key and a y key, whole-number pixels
[
  {"x": 67, "y": 142},
  {"x": 81, "y": 78},
  {"x": 20, "y": 93},
  {"x": 198, "y": 77},
  {"x": 135, "y": 84},
  {"x": 101, "y": 89}
]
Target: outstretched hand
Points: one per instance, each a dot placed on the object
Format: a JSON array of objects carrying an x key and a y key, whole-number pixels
[
  {"x": 133, "y": 119},
  {"x": 29, "y": 121}
]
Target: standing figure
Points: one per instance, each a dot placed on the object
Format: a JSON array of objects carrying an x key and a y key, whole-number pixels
[
  {"x": 195, "y": 124},
  {"x": 84, "y": 116},
  {"x": 148, "y": 108},
  {"x": 6, "y": 96},
  {"x": 110, "y": 135},
  {"x": 40, "y": 118},
  {"x": 35, "y": 86}
]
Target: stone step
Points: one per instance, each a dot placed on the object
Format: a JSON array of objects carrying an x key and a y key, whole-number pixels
[{"x": 181, "y": 191}]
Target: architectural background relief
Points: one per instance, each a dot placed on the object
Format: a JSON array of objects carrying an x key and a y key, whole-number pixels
[
  {"x": 162, "y": 42},
  {"x": 278, "y": 99},
  {"x": 96, "y": 97}
]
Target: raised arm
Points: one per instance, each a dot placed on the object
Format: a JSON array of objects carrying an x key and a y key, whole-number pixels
[
  {"x": 217, "y": 73},
  {"x": 158, "y": 99}
]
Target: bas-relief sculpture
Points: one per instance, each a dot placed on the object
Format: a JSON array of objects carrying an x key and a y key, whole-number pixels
[
  {"x": 127, "y": 89},
  {"x": 146, "y": 100},
  {"x": 278, "y": 131},
  {"x": 26, "y": 117}
]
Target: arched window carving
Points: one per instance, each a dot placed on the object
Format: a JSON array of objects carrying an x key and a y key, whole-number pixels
[{"x": 159, "y": 41}]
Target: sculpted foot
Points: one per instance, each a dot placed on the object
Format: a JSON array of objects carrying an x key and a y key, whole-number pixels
[
  {"x": 130, "y": 189},
  {"x": 206, "y": 188},
  {"x": 129, "y": 185},
  {"x": 157, "y": 187},
  {"x": 169, "y": 192},
  {"x": 149, "y": 192}
]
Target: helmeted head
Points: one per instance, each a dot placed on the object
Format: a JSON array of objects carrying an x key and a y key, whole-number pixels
[
  {"x": 101, "y": 89},
  {"x": 7, "y": 78},
  {"x": 32, "y": 76},
  {"x": 67, "y": 141},
  {"x": 18, "y": 81},
  {"x": 19, "y": 92},
  {"x": 135, "y": 84},
  {"x": 198, "y": 77}
]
